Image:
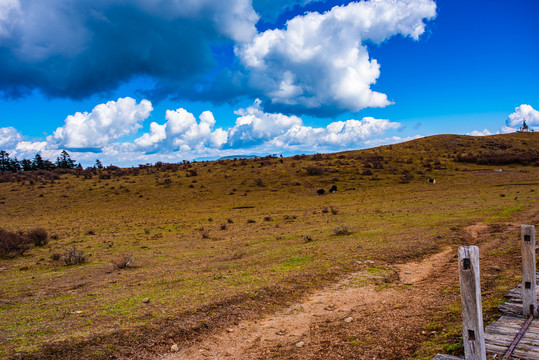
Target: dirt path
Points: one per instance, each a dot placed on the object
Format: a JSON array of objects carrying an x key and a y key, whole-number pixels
[{"x": 349, "y": 304}]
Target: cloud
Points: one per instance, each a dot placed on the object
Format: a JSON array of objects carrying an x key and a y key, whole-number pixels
[
  {"x": 522, "y": 113},
  {"x": 278, "y": 131},
  {"x": 76, "y": 48},
  {"x": 182, "y": 133},
  {"x": 320, "y": 61},
  {"x": 254, "y": 126},
  {"x": 390, "y": 140},
  {"x": 485, "y": 132},
  {"x": 9, "y": 138},
  {"x": 182, "y": 136},
  {"x": 106, "y": 123}
]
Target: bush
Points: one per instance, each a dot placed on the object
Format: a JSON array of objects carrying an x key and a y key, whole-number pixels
[
  {"x": 314, "y": 170},
  {"x": 341, "y": 230},
  {"x": 12, "y": 243},
  {"x": 74, "y": 257},
  {"x": 123, "y": 262},
  {"x": 38, "y": 236},
  {"x": 56, "y": 256}
]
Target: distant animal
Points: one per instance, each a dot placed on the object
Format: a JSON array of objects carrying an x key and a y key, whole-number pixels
[
  {"x": 432, "y": 181},
  {"x": 333, "y": 189},
  {"x": 320, "y": 191}
]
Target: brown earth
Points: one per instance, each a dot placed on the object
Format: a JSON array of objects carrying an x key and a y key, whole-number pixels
[{"x": 350, "y": 321}]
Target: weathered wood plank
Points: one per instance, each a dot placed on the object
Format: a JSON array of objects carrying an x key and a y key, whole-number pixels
[
  {"x": 529, "y": 293},
  {"x": 470, "y": 295},
  {"x": 500, "y": 334}
]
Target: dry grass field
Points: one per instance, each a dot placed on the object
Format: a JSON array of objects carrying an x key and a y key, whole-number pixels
[{"x": 213, "y": 243}]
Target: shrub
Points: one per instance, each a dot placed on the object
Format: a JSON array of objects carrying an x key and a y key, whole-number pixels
[
  {"x": 56, "y": 256},
  {"x": 38, "y": 237},
  {"x": 250, "y": 221},
  {"x": 74, "y": 257},
  {"x": 341, "y": 230},
  {"x": 12, "y": 243},
  {"x": 229, "y": 220},
  {"x": 268, "y": 218},
  {"x": 259, "y": 182},
  {"x": 123, "y": 262},
  {"x": 205, "y": 234},
  {"x": 224, "y": 226},
  {"x": 308, "y": 238},
  {"x": 314, "y": 170},
  {"x": 334, "y": 211},
  {"x": 325, "y": 210}
]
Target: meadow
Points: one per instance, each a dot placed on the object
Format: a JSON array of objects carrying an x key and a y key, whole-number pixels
[{"x": 173, "y": 251}]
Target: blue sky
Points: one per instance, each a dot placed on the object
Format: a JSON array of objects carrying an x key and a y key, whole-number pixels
[{"x": 154, "y": 80}]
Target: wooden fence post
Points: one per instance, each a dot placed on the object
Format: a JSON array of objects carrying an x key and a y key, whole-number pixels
[
  {"x": 470, "y": 295},
  {"x": 529, "y": 295}
]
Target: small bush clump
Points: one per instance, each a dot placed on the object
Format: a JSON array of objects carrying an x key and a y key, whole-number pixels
[
  {"x": 341, "y": 230},
  {"x": 123, "y": 262},
  {"x": 12, "y": 243},
  {"x": 17, "y": 243},
  {"x": 74, "y": 257},
  {"x": 314, "y": 170},
  {"x": 38, "y": 236}
]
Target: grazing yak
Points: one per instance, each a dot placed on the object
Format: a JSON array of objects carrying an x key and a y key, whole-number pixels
[
  {"x": 320, "y": 191},
  {"x": 333, "y": 189},
  {"x": 431, "y": 181}
]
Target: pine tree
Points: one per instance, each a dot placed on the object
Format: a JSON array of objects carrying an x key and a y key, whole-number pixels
[
  {"x": 64, "y": 161},
  {"x": 4, "y": 161}
]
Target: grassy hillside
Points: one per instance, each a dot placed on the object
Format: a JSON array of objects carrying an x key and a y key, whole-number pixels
[{"x": 209, "y": 239}]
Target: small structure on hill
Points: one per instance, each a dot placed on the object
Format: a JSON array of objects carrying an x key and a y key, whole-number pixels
[{"x": 524, "y": 127}]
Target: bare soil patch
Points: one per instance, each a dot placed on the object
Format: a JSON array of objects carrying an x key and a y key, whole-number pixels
[{"x": 371, "y": 313}]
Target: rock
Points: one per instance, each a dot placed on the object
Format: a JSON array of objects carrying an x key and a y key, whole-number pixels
[
  {"x": 174, "y": 348},
  {"x": 230, "y": 330},
  {"x": 300, "y": 344},
  {"x": 146, "y": 300},
  {"x": 369, "y": 262},
  {"x": 348, "y": 319},
  {"x": 496, "y": 268}
]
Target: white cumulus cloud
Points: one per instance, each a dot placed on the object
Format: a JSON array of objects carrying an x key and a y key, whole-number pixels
[
  {"x": 485, "y": 132},
  {"x": 522, "y": 113},
  {"x": 278, "y": 131},
  {"x": 321, "y": 59},
  {"x": 106, "y": 123},
  {"x": 9, "y": 138},
  {"x": 183, "y": 132},
  {"x": 254, "y": 126}
]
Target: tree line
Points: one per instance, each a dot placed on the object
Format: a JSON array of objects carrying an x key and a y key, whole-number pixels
[{"x": 63, "y": 161}]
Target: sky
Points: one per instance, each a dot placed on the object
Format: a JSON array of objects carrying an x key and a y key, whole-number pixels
[{"x": 141, "y": 81}]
